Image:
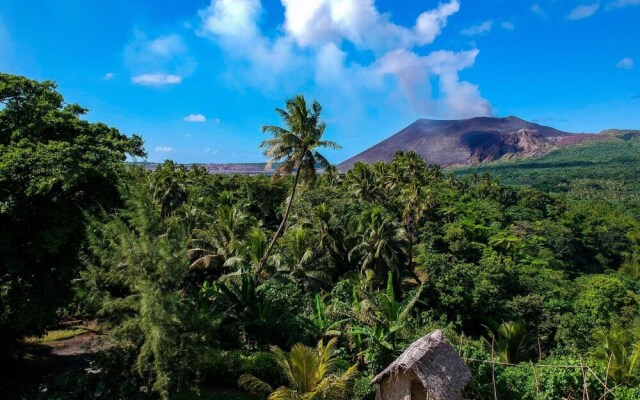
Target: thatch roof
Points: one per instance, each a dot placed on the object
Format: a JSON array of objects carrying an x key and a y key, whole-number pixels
[{"x": 435, "y": 363}]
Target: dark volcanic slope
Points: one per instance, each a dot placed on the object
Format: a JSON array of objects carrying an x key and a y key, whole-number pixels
[{"x": 465, "y": 141}]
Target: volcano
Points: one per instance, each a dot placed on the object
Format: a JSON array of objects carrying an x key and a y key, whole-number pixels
[{"x": 470, "y": 141}]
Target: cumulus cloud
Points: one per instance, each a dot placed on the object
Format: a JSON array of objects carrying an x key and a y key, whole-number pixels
[
  {"x": 145, "y": 50},
  {"x": 158, "y": 79},
  {"x": 166, "y": 46},
  {"x": 479, "y": 29},
  {"x": 164, "y": 149},
  {"x": 167, "y": 53},
  {"x": 583, "y": 11},
  {"x": 323, "y": 43},
  {"x": 107, "y": 76},
  {"x": 537, "y": 9},
  {"x": 625, "y": 63},
  {"x": 195, "y": 118},
  {"x": 508, "y": 25},
  {"x": 316, "y": 22}
]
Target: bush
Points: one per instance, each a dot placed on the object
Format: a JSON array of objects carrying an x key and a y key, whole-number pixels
[
  {"x": 481, "y": 384},
  {"x": 362, "y": 388},
  {"x": 625, "y": 393},
  {"x": 223, "y": 368},
  {"x": 110, "y": 376}
]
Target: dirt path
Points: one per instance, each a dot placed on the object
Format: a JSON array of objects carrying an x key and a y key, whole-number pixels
[{"x": 42, "y": 361}]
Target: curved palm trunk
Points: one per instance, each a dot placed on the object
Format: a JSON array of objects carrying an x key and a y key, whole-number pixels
[{"x": 280, "y": 230}]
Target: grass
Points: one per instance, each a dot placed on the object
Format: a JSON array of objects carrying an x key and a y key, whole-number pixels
[{"x": 56, "y": 335}]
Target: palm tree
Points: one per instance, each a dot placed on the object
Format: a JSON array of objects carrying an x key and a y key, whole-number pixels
[
  {"x": 331, "y": 176},
  {"x": 378, "y": 317},
  {"x": 418, "y": 201},
  {"x": 214, "y": 246},
  {"x": 328, "y": 239},
  {"x": 380, "y": 241},
  {"x": 295, "y": 147},
  {"x": 311, "y": 374},
  {"x": 250, "y": 252},
  {"x": 363, "y": 182},
  {"x": 510, "y": 342},
  {"x": 169, "y": 187},
  {"x": 621, "y": 359},
  {"x": 300, "y": 259},
  {"x": 407, "y": 167}
]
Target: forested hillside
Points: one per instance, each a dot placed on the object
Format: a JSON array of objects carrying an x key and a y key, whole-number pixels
[
  {"x": 303, "y": 285},
  {"x": 609, "y": 168}
]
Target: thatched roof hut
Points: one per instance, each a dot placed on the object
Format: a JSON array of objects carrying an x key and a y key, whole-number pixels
[{"x": 429, "y": 369}]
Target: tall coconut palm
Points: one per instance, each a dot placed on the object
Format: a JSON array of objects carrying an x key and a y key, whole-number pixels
[
  {"x": 380, "y": 240},
  {"x": 418, "y": 201},
  {"x": 311, "y": 375},
  {"x": 295, "y": 147},
  {"x": 212, "y": 247},
  {"x": 300, "y": 260},
  {"x": 331, "y": 176},
  {"x": 363, "y": 183}
]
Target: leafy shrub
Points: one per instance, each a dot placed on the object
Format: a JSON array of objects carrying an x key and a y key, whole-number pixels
[
  {"x": 225, "y": 367},
  {"x": 110, "y": 376},
  {"x": 625, "y": 393},
  {"x": 481, "y": 384},
  {"x": 362, "y": 388}
]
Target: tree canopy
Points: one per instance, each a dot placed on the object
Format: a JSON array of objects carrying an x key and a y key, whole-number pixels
[{"x": 55, "y": 167}]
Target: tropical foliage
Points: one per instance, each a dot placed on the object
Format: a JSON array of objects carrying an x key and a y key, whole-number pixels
[{"x": 197, "y": 275}]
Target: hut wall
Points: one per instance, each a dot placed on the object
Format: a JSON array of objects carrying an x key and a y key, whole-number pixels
[
  {"x": 396, "y": 387},
  {"x": 418, "y": 391}
]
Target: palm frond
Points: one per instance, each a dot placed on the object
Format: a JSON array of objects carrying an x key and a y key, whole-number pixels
[{"x": 254, "y": 385}]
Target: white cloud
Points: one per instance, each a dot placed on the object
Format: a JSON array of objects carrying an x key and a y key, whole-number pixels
[
  {"x": 536, "y": 9},
  {"x": 315, "y": 50},
  {"x": 166, "y": 46},
  {"x": 508, "y": 25},
  {"x": 164, "y": 149},
  {"x": 153, "y": 51},
  {"x": 167, "y": 53},
  {"x": 583, "y": 11},
  {"x": 431, "y": 23},
  {"x": 107, "y": 76},
  {"x": 480, "y": 29},
  {"x": 195, "y": 118},
  {"x": 156, "y": 79},
  {"x": 625, "y": 63},
  {"x": 316, "y": 22},
  {"x": 232, "y": 18}
]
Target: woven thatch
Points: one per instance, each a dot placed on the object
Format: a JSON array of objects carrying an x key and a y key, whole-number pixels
[{"x": 435, "y": 363}]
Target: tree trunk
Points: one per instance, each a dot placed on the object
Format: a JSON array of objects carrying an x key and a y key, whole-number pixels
[{"x": 280, "y": 230}]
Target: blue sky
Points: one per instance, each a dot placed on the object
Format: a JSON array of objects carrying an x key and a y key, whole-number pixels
[{"x": 197, "y": 78}]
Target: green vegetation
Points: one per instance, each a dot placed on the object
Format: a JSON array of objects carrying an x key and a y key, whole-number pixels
[
  {"x": 310, "y": 374},
  {"x": 532, "y": 287},
  {"x": 55, "y": 335},
  {"x": 55, "y": 169},
  {"x": 608, "y": 168}
]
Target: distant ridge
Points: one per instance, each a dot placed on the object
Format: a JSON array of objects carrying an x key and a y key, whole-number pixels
[
  {"x": 470, "y": 141},
  {"x": 221, "y": 168}
]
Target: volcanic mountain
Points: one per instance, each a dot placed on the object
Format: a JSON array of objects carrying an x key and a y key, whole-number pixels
[{"x": 470, "y": 141}]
